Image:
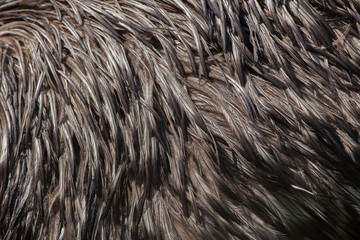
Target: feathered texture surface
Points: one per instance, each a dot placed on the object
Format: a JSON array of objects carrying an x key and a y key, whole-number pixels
[{"x": 169, "y": 119}]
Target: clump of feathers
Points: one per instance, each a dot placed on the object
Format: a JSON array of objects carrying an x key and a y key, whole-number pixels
[{"x": 179, "y": 119}]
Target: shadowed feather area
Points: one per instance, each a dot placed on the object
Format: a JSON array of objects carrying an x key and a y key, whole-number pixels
[{"x": 179, "y": 119}]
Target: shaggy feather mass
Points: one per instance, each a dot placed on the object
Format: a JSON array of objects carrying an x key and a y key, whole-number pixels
[{"x": 179, "y": 119}]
